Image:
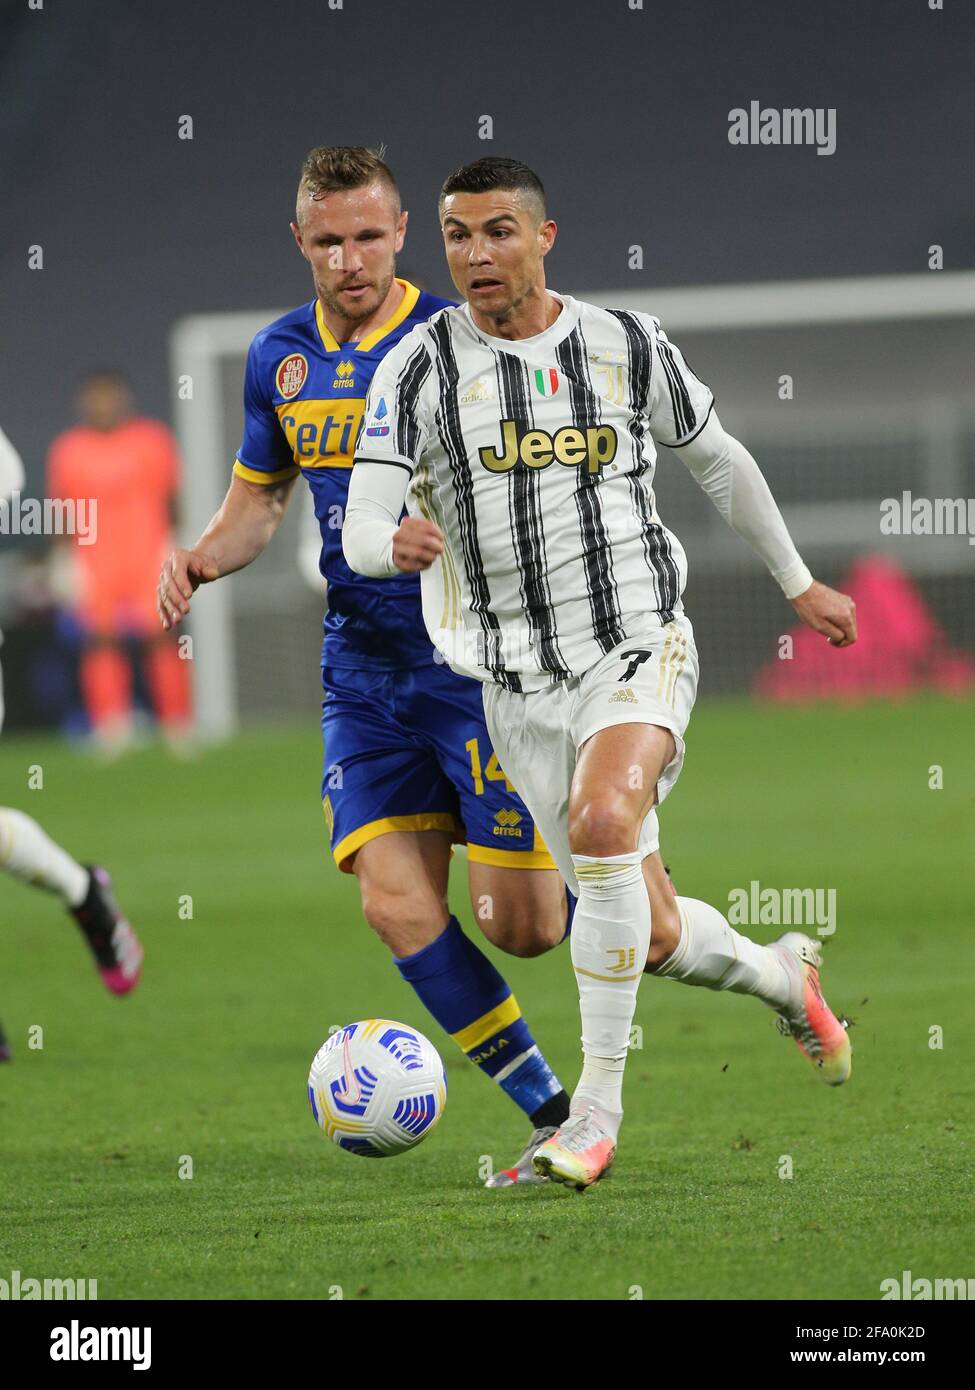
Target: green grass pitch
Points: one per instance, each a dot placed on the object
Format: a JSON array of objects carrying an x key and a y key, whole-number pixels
[{"x": 209, "y": 1057}]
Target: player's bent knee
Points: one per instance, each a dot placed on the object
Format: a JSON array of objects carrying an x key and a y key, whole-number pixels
[
  {"x": 521, "y": 911},
  {"x": 404, "y": 922},
  {"x": 602, "y": 826},
  {"x": 524, "y": 939}
]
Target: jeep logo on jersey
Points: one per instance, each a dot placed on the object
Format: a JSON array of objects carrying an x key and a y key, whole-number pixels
[
  {"x": 591, "y": 448},
  {"x": 291, "y": 374}
]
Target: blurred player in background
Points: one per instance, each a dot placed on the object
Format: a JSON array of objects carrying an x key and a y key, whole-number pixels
[
  {"x": 547, "y": 574},
  {"x": 30, "y": 855},
  {"x": 129, "y": 467},
  {"x": 409, "y": 765}
]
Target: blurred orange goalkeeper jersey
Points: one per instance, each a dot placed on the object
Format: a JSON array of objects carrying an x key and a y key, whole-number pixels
[{"x": 131, "y": 472}]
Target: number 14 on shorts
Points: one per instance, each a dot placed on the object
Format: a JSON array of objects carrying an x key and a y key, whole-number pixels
[{"x": 493, "y": 772}]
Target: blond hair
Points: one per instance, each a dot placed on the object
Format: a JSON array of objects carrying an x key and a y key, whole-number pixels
[{"x": 330, "y": 168}]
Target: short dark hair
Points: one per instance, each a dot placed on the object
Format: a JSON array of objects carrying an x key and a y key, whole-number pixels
[
  {"x": 331, "y": 168},
  {"x": 494, "y": 172}
]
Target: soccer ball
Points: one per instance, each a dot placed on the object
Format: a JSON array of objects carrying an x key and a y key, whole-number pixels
[{"x": 377, "y": 1087}]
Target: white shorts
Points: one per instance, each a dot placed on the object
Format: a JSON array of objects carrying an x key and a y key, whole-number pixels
[{"x": 650, "y": 679}]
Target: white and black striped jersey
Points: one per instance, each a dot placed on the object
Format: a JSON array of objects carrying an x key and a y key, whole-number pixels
[{"x": 536, "y": 459}]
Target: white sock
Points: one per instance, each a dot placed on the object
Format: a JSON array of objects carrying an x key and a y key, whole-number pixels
[
  {"x": 711, "y": 953},
  {"x": 601, "y": 1087},
  {"x": 609, "y": 943},
  {"x": 34, "y": 858}
]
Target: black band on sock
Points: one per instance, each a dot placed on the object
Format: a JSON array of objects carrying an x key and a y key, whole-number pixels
[{"x": 555, "y": 1111}]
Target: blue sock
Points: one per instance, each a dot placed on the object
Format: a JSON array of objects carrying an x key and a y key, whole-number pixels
[{"x": 474, "y": 1004}]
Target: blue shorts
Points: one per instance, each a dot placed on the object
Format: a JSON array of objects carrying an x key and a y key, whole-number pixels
[{"x": 409, "y": 750}]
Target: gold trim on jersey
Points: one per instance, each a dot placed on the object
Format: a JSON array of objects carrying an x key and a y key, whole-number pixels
[
  {"x": 682, "y": 662},
  {"x": 673, "y": 659},
  {"x": 329, "y": 341},
  {"x": 410, "y": 296},
  {"x": 406, "y": 305},
  {"x": 256, "y": 475},
  {"x": 450, "y": 613},
  {"x": 664, "y": 658}
]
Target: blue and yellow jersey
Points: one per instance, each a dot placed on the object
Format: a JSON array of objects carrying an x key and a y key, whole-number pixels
[{"x": 304, "y": 395}]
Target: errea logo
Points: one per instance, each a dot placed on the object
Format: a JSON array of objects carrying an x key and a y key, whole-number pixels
[
  {"x": 344, "y": 376},
  {"x": 507, "y": 822},
  {"x": 591, "y": 448}
]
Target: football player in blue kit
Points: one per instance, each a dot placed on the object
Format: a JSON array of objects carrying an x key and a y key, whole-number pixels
[{"x": 409, "y": 766}]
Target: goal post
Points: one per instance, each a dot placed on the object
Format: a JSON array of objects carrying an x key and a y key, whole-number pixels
[{"x": 207, "y": 354}]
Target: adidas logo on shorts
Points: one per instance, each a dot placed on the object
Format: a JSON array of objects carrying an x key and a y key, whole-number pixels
[{"x": 625, "y": 695}]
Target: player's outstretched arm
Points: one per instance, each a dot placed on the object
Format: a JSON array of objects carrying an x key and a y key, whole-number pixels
[
  {"x": 726, "y": 471},
  {"x": 248, "y": 518}
]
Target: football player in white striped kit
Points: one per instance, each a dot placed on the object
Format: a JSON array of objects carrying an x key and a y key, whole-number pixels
[{"x": 520, "y": 431}]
